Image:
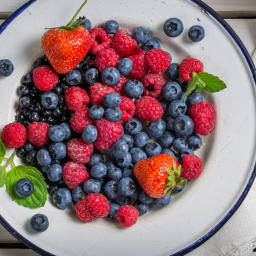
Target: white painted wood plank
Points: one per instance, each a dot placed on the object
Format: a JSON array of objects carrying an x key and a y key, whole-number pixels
[{"x": 17, "y": 252}]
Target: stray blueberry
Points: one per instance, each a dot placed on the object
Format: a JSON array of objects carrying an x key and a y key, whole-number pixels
[
  {"x": 90, "y": 133},
  {"x": 110, "y": 76},
  {"x": 133, "y": 88},
  {"x": 153, "y": 148},
  {"x": 62, "y": 198},
  {"x": 49, "y": 100},
  {"x": 194, "y": 142},
  {"x": 54, "y": 172},
  {"x": 141, "y": 35},
  {"x": 96, "y": 112},
  {"x": 196, "y": 33},
  {"x": 111, "y": 26},
  {"x": 39, "y": 222},
  {"x": 23, "y": 188},
  {"x": 91, "y": 75},
  {"x": 125, "y": 66},
  {"x": 73, "y": 77},
  {"x": 173, "y": 27},
  {"x": 6, "y": 67}
]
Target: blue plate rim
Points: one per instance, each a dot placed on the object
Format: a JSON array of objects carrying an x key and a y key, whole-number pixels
[{"x": 238, "y": 202}]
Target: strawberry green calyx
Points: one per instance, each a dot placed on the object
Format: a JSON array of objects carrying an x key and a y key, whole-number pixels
[{"x": 174, "y": 179}]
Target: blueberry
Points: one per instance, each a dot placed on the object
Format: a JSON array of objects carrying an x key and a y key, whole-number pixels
[
  {"x": 120, "y": 148},
  {"x": 173, "y": 27},
  {"x": 109, "y": 164},
  {"x": 84, "y": 22},
  {"x": 23, "y": 90},
  {"x": 156, "y": 129},
  {"x": 195, "y": 97},
  {"x": 127, "y": 172},
  {"x": 123, "y": 200},
  {"x": 26, "y": 79},
  {"x": 128, "y": 139},
  {"x": 162, "y": 202},
  {"x": 6, "y": 67},
  {"x": 95, "y": 159},
  {"x": 141, "y": 35},
  {"x": 173, "y": 71},
  {"x": 77, "y": 194},
  {"x": 126, "y": 187},
  {"x": 142, "y": 208},
  {"x": 141, "y": 139},
  {"x": 186, "y": 152},
  {"x": 179, "y": 145},
  {"x": 145, "y": 199},
  {"x": 58, "y": 150},
  {"x": 114, "y": 173},
  {"x": 49, "y": 100},
  {"x": 62, "y": 198},
  {"x": 34, "y": 117},
  {"x": 31, "y": 157},
  {"x": 110, "y": 76},
  {"x": 56, "y": 133},
  {"x": 111, "y": 26},
  {"x": 113, "y": 114},
  {"x": 39, "y": 222},
  {"x": 151, "y": 44},
  {"x": 152, "y": 148},
  {"x": 125, "y": 66},
  {"x": 112, "y": 100},
  {"x": 171, "y": 91},
  {"x": 196, "y": 33},
  {"x": 28, "y": 146},
  {"x": 43, "y": 157},
  {"x": 73, "y": 77},
  {"x": 110, "y": 189},
  {"x": 54, "y": 172},
  {"x": 21, "y": 152},
  {"x": 137, "y": 155},
  {"x": 113, "y": 210},
  {"x": 90, "y": 133},
  {"x": 125, "y": 161},
  {"x": 177, "y": 107},
  {"x": 98, "y": 171},
  {"x": 169, "y": 152},
  {"x": 194, "y": 142},
  {"x": 96, "y": 112},
  {"x": 24, "y": 102},
  {"x": 133, "y": 126},
  {"x": 183, "y": 126},
  {"x": 166, "y": 139},
  {"x": 133, "y": 88},
  {"x": 23, "y": 188},
  {"x": 67, "y": 130},
  {"x": 92, "y": 186},
  {"x": 91, "y": 75}
]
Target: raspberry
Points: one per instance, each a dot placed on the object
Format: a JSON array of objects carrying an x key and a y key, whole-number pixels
[
  {"x": 123, "y": 43},
  {"x": 127, "y": 215},
  {"x": 120, "y": 86},
  {"x": 83, "y": 212},
  {"x": 108, "y": 133},
  {"x": 128, "y": 108},
  {"x": 75, "y": 98},
  {"x": 148, "y": 109},
  {"x": 106, "y": 58},
  {"x": 188, "y": 66},
  {"x": 153, "y": 85},
  {"x": 14, "y": 135},
  {"x": 191, "y": 166},
  {"x": 98, "y": 92},
  {"x": 98, "y": 205},
  {"x": 38, "y": 133},
  {"x": 100, "y": 40},
  {"x": 74, "y": 174},
  {"x": 80, "y": 119},
  {"x": 79, "y": 151},
  {"x": 139, "y": 67},
  {"x": 157, "y": 60},
  {"x": 204, "y": 116},
  {"x": 45, "y": 78}
]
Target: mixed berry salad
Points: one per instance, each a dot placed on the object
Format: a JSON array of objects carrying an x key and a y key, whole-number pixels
[{"x": 107, "y": 122}]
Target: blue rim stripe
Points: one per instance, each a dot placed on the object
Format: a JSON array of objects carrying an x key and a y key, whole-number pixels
[{"x": 252, "y": 177}]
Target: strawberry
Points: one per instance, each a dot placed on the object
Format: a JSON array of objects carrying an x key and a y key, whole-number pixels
[
  {"x": 66, "y": 46},
  {"x": 159, "y": 175}
]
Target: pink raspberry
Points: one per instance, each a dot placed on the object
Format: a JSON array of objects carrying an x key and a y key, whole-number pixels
[
  {"x": 139, "y": 67},
  {"x": 38, "y": 133},
  {"x": 106, "y": 58},
  {"x": 127, "y": 215},
  {"x": 100, "y": 40},
  {"x": 80, "y": 119},
  {"x": 45, "y": 78},
  {"x": 74, "y": 174},
  {"x": 189, "y": 66},
  {"x": 128, "y": 108},
  {"x": 79, "y": 151},
  {"x": 83, "y": 212},
  {"x": 153, "y": 84},
  {"x": 192, "y": 166},
  {"x": 98, "y": 91},
  {"x": 76, "y": 97},
  {"x": 120, "y": 86}
]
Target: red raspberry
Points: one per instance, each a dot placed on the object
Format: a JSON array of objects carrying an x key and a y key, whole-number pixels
[
  {"x": 148, "y": 109},
  {"x": 100, "y": 40},
  {"x": 106, "y": 58},
  {"x": 120, "y": 86},
  {"x": 123, "y": 43},
  {"x": 80, "y": 119},
  {"x": 45, "y": 78},
  {"x": 75, "y": 98},
  {"x": 188, "y": 66},
  {"x": 108, "y": 133},
  {"x": 14, "y": 135},
  {"x": 153, "y": 85},
  {"x": 38, "y": 133},
  {"x": 98, "y": 205},
  {"x": 157, "y": 60},
  {"x": 204, "y": 116},
  {"x": 74, "y": 174},
  {"x": 83, "y": 212},
  {"x": 128, "y": 108},
  {"x": 127, "y": 215},
  {"x": 192, "y": 166},
  {"x": 79, "y": 151},
  {"x": 139, "y": 67},
  {"x": 98, "y": 91}
]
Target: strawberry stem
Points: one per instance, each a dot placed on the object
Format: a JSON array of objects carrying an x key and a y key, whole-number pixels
[{"x": 73, "y": 18}]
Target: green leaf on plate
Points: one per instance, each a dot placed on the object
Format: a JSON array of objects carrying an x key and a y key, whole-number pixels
[
  {"x": 2, "y": 176},
  {"x": 2, "y": 150}
]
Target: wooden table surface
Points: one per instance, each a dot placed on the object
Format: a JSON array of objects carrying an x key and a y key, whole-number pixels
[{"x": 241, "y": 15}]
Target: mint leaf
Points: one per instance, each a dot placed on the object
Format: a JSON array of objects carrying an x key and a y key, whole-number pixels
[
  {"x": 2, "y": 176},
  {"x": 212, "y": 83},
  {"x": 38, "y": 197},
  {"x": 2, "y": 151}
]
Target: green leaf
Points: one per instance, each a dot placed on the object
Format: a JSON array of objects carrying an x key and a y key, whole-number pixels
[
  {"x": 2, "y": 176},
  {"x": 191, "y": 87},
  {"x": 38, "y": 197},
  {"x": 2, "y": 150}
]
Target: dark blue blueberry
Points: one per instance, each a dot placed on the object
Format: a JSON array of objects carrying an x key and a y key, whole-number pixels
[
  {"x": 73, "y": 77},
  {"x": 133, "y": 88},
  {"x": 141, "y": 35},
  {"x": 62, "y": 198},
  {"x": 28, "y": 146},
  {"x": 171, "y": 91},
  {"x": 145, "y": 199},
  {"x": 173, "y": 27},
  {"x": 114, "y": 173},
  {"x": 179, "y": 145},
  {"x": 177, "y": 107},
  {"x": 23, "y": 90},
  {"x": 112, "y": 100},
  {"x": 113, "y": 210},
  {"x": 133, "y": 126},
  {"x": 153, "y": 148},
  {"x": 91, "y": 75},
  {"x": 123, "y": 200},
  {"x": 151, "y": 44},
  {"x": 169, "y": 152},
  {"x": 195, "y": 97},
  {"x": 67, "y": 130},
  {"x": 34, "y": 117},
  {"x": 141, "y": 139},
  {"x": 170, "y": 123},
  {"x": 173, "y": 71},
  {"x": 125, "y": 161},
  {"x": 6, "y": 67},
  {"x": 142, "y": 208},
  {"x": 77, "y": 194},
  {"x": 58, "y": 150},
  {"x": 31, "y": 157},
  {"x": 26, "y": 79},
  {"x": 54, "y": 172},
  {"x": 43, "y": 157},
  {"x": 110, "y": 190},
  {"x": 109, "y": 164},
  {"x": 56, "y": 133},
  {"x": 163, "y": 104},
  {"x": 84, "y": 22},
  {"x": 166, "y": 139},
  {"x": 194, "y": 142},
  {"x": 24, "y": 102},
  {"x": 21, "y": 152},
  {"x": 125, "y": 66},
  {"x": 127, "y": 172},
  {"x": 96, "y": 112},
  {"x": 90, "y": 133},
  {"x": 113, "y": 114},
  {"x": 186, "y": 152},
  {"x": 110, "y": 76},
  {"x": 196, "y": 33},
  {"x": 92, "y": 186},
  {"x": 137, "y": 155},
  {"x": 183, "y": 126},
  {"x": 120, "y": 149},
  {"x": 49, "y": 100},
  {"x": 128, "y": 139},
  {"x": 98, "y": 171},
  {"x": 95, "y": 159},
  {"x": 156, "y": 129},
  {"x": 58, "y": 90},
  {"x": 111, "y": 26},
  {"x": 162, "y": 202},
  {"x": 39, "y": 222},
  {"x": 126, "y": 187},
  {"x": 23, "y": 188}
]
